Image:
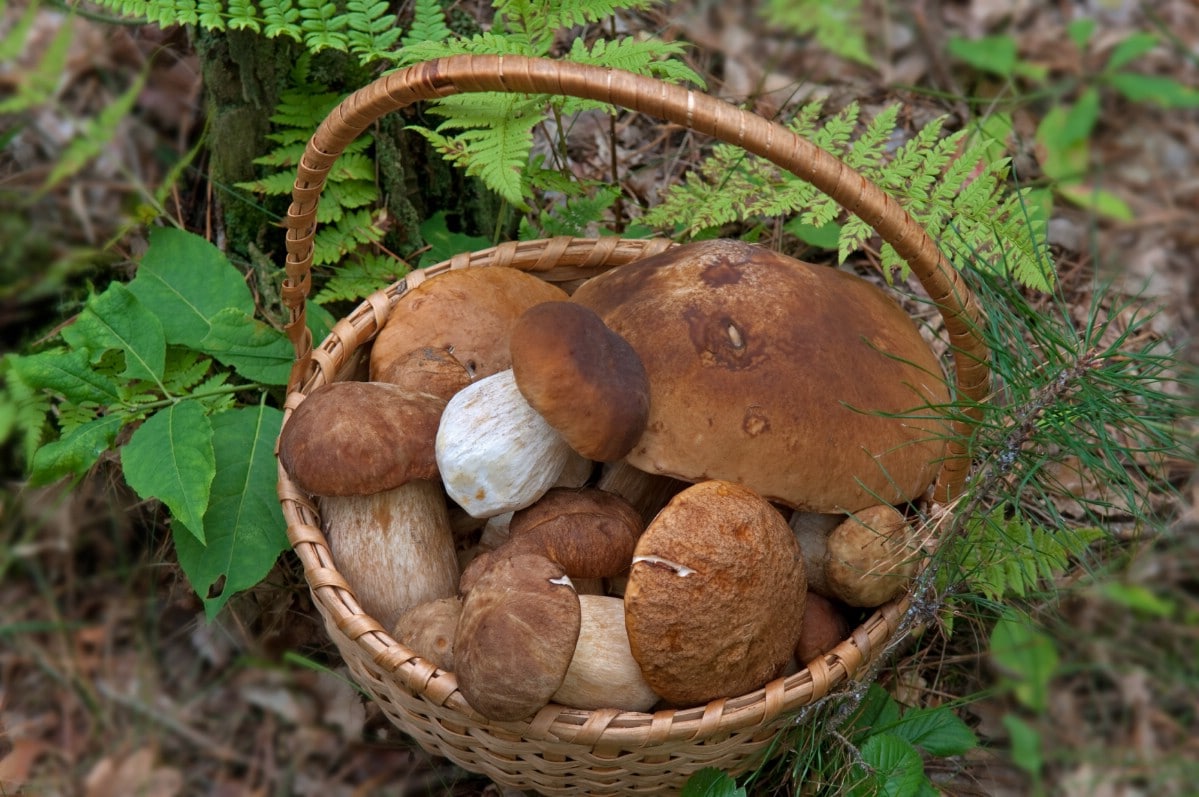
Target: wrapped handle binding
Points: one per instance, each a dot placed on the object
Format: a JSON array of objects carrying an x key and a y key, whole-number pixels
[{"x": 694, "y": 110}]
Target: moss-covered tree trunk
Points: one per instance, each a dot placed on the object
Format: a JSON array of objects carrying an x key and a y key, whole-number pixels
[{"x": 244, "y": 77}]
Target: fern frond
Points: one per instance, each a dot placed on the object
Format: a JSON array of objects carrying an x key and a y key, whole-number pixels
[
  {"x": 372, "y": 30},
  {"x": 428, "y": 24},
  {"x": 334, "y": 241},
  {"x": 243, "y": 16},
  {"x": 359, "y": 277},
  {"x": 185, "y": 368},
  {"x": 960, "y": 197},
  {"x": 282, "y": 18},
  {"x": 323, "y": 25},
  {"x": 835, "y": 26},
  {"x": 642, "y": 56}
]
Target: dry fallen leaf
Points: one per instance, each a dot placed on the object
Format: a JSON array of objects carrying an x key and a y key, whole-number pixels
[
  {"x": 134, "y": 774},
  {"x": 18, "y": 763}
]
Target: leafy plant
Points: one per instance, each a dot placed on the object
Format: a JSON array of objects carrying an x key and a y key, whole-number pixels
[
  {"x": 1064, "y": 132},
  {"x": 837, "y": 26},
  {"x": 171, "y": 370},
  {"x": 952, "y": 188}
]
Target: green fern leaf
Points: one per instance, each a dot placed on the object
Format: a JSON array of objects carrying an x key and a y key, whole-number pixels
[
  {"x": 211, "y": 14},
  {"x": 282, "y": 18},
  {"x": 243, "y": 16},
  {"x": 359, "y": 277},
  {"x": 184, "y": 369},
  {"x": 323, "y": 25},
  {"x": 428, "y": 24},
  {"x": 96, "y": 135},
  {"x": 836, "y": 26}
]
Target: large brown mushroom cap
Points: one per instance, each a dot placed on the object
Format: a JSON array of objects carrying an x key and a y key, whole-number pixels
[
  {"x": 358, "y": 438},
  {"x": 715, "y": 597},
  {"x": 583, "y": 378},
  {"x": 807, "y": 384},
  {"x": 466, "y": 313},
  {"x": 516, "y": 636}
]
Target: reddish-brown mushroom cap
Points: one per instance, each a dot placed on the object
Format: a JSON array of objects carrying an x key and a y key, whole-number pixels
[
  {"x": 466, "y": 313},
  {"x": 582, "y": 377},
  {"x": 808, "y": 384},
  {"x": 358, "y": 438},
  {"x": 715, "y": 597}
]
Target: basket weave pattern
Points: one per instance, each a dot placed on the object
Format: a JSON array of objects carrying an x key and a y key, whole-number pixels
[{"x": 562, "y": 750}]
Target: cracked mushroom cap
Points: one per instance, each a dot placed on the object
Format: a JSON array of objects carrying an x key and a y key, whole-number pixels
[
  {"x": 359, "y": 438},
  {"x": 715, "y": 597},
  {"x": 805, "y": 383},
  {"x": 583, "y": 378},
  {"x": 465, "y": 313}
]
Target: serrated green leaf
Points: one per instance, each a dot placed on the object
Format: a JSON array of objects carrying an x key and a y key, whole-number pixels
[
  {"x": 1080, "y": 31},
  {"x": 938, "y": 731},
  {"x": 115, "y": 319},
  {"x": 185, "y": 281},
  {"x": 67, "y": 373},
  {"x": 74, "y": 453},
  {"x": 170, "y": 458},
  {"x": 256, "y": 351},
  {"x": 712, "y": 782},
  {"x": 878, "y": 710},
  {"x": 246, "y": 531},
  {"x": 896, "y": 768}
]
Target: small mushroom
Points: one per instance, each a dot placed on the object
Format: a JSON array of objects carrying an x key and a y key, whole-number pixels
[
  {"x": 428, "y": 629},
  {"x": 516, "y": 636},
  {"x": 602, "y": 671},
  {"x": 715, "y": 596},
  {"x": 496, "y": 454},
  {"x": 582, "y": 377},
  {"x": 824, "y": 627},
  {"x": 866, "y": 560},
  {"x": 463, "y": 315},
  {"x": 590, "y": 533}
]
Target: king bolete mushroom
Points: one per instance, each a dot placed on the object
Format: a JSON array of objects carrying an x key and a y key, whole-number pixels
[
  {"x": 366, "y": 450},
  {"x": 715, "y": 596},
  {"x": 807, "y": 384}
]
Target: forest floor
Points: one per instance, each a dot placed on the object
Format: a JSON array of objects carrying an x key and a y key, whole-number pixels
[{"x": 113, "y": 683}]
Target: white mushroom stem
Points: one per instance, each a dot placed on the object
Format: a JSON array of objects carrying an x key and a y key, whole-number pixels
[
  {"x": 496, "y": 454},
  {"x": 603, "y": 672},
  {"x": 394, "y": 548}
]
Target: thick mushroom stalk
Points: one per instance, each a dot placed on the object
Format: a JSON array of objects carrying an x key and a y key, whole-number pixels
[
  {"x": 603, "y": 672},
  {"x": 496, "y": 453},
  {"x": 366, "y": 450}
]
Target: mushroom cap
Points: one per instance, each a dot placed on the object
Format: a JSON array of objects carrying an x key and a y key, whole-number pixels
[
  {"x": 516, "y": 637},
  {"x": 429, "y": 370},
  {"x": 805, "y": 383},
  {"x": 465, "y": 312},
  {"x": 872, "y": 556},
  {"x": 824, "y": 627},
  {"x": 358, "y": 438},
  {"x": 428, "y": 629},
  {"x": 715, "y": 597},
  {"x": 583, "y": 378}
]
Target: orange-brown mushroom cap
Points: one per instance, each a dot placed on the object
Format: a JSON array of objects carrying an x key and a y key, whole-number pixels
[
  {"x": 808, "y": 384},
  {"x": 583, "y": 378}
]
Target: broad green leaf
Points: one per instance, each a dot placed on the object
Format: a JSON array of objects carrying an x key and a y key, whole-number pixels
[
  {"x": 185, "y": 281},
  {"x": 1157, "y": 89},
  {"x": 1061, "y": 158},
  {"x": 1026, "y": 744},
  {"x": 256, "y": 351},
  {"x": 1139, "y": 598},
  {"x": 994, "y": 54},
  {"x": 1080, "y": 31},
  {"x": 1026, "y": 657},
  {"x": 75, "y": 452},
  {"x": 1105, "y": 203},
  {"x": 67, "y": 373},
  {"x": 115, "y": 319},
  {"x": 245, "y": 527},
  {"x": 897, "y": 768},
  {"x": 825, "y": 236},
  {"x": 444, "y": 243},
  {"x": 938, "y": 731},
  {"x": 878, "y": 710},
  {"x": 712, "y": 782},
  {"x": 170, "y": 458},
  {"x": 1080, "y": 118},
  {"x": 1130, "y": 49}
]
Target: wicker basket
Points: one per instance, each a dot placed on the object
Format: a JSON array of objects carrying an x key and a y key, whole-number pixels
[{"x": 564, "y": 751}]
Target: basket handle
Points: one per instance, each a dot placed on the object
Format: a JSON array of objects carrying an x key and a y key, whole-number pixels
[{"x": 697, "y": 111}]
